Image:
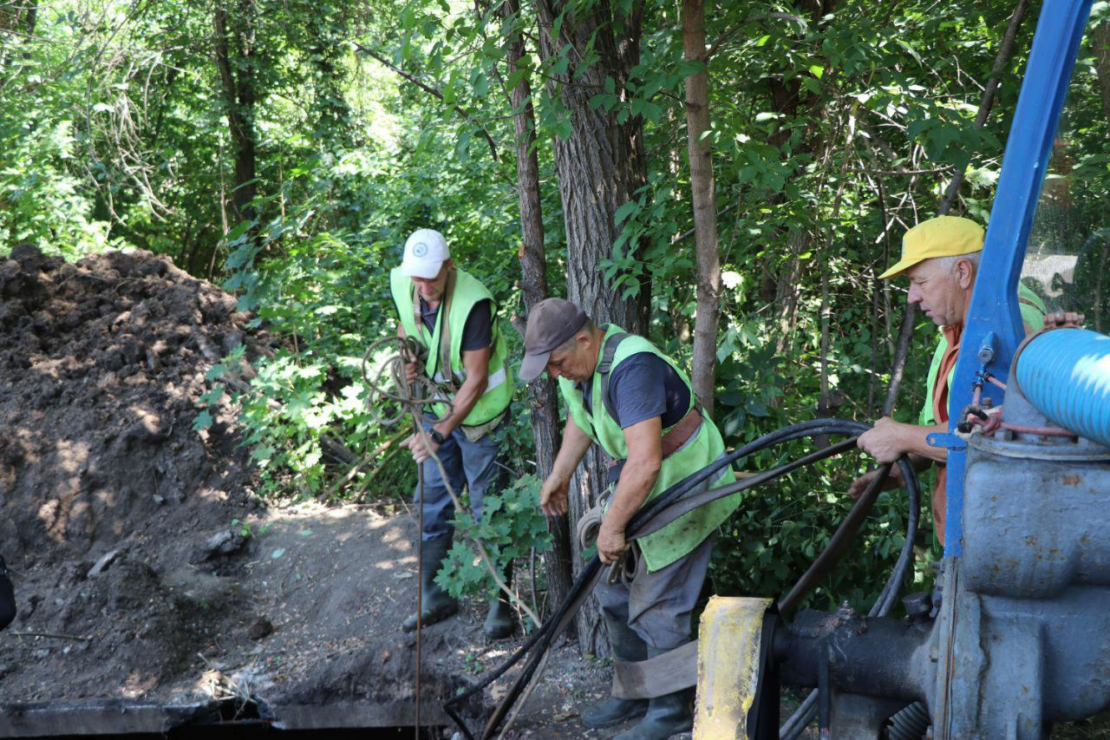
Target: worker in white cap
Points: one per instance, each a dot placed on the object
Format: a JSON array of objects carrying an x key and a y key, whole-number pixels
[{"x": 453, "y": 317}]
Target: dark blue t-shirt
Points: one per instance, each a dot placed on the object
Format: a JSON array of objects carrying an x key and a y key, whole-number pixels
[
  {"x": 478, "y": 330},
  {"x": 642, "y": 387}
]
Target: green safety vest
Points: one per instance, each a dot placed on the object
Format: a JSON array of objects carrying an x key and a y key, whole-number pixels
[
  {"x": 1032, "y": 313},
  {"x": 684, "y": 534},
  {"x": 467, "y": 292}
]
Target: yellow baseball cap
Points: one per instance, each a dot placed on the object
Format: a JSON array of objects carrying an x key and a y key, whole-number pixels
[{"x": 943, "y": 236}]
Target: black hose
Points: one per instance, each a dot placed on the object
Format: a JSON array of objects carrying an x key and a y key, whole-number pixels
[
  {"x": 839, "y": 542},
  {"x": 7, "y": 597},
  {"x": 910, "y": 723},
  {"x": 640, "y": 524},
  {"x": 805, "y": 713},
  {"x": 646, "y": 514}
]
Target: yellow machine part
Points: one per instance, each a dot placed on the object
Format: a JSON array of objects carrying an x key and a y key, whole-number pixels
[{"x": 728, "y": 666}]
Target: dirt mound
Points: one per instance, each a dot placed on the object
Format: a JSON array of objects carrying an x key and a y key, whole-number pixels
[{"x": 101, "y": 365}]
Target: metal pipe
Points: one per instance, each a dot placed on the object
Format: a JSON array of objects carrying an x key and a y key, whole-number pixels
[
  {"x": 868, "y": 656},
  {"x": 1065, "y": 374}
]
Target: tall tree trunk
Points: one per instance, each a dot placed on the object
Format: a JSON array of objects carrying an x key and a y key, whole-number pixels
[
  {"x": 600, "y": 166},
  {"x": 544, "y": 400},
  {"x": 238, "y": 82},
  {"x": 17, "y": 17},
  {"x": 1100, "y": 38},
  {"x": 705, "y": 206},
  {"x": 327, "y": 49}
]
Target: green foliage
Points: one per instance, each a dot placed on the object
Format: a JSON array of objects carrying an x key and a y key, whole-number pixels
[
  {"x": 780, "y": 529},
  {"x": 830, "y": 134},
  {"x": 246, "y": 530},
  {"x": 512, "y": 526}
]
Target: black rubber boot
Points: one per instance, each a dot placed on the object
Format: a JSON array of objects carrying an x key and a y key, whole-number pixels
[
  {"x": 628, "y": 647},
  {"x": 7, "y": 597},
  {"x": 667, "y": 715},
  {"x": 436, "y": 604},
  {"x": 499, "y": 621}
]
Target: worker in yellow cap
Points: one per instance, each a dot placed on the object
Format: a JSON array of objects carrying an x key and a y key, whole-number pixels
[{"x": 940, "y": 257}]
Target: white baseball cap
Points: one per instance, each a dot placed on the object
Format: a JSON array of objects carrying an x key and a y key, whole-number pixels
[{"x": 425, "y": 252}]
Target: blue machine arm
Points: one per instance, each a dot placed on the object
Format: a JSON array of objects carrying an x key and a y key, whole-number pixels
[{"x": 994, "y": 317}]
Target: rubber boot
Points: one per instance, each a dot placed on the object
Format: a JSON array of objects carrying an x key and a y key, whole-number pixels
[
  {"x": 499, "y": 621},
  {"x": 628, "y": 647},
  {"x": 436, "y": 604},
  {"x": 667, "y": 715}
]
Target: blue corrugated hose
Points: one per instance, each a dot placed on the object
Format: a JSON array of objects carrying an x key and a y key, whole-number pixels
[{"x": 1065, "y": 374}]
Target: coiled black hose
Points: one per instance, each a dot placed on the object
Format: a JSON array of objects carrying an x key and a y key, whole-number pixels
[
  {"x": 641, "y": 524},
  {"x": 911, "y": 723}
]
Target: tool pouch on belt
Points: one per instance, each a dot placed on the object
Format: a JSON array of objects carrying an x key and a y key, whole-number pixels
[{"x": 476, "y": 432}]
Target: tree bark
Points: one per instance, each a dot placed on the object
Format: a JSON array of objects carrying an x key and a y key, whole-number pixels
[
  {"x": 705, "y": 206},
  {"x": 1100, "y": 38},
  {"x": 19, "y": 16},
  {"x": 237, "y": 78},
  {"x": 600, "y": 166},
  {"x": 543, "y": 399}
]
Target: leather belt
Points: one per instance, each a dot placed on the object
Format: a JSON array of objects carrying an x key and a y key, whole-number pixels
[
  {"x": 681, "y": 432},
  {"x": 672, "y": 441}
]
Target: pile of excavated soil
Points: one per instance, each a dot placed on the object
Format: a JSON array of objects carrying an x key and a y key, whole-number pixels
[
  {"x": 144, "y": 568},
  {"x": 104, "y": 486}
]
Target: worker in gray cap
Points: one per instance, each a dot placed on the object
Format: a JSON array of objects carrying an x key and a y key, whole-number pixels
[
  {"x": 630, "y": 398},
  {"x": 453, "y": 318}
]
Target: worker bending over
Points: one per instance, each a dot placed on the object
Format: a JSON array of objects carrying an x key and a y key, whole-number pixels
[
  {"x": 940, "y": 257},
  {"x": 453, "y": 317},
  {"x": 628, "y": 397}
]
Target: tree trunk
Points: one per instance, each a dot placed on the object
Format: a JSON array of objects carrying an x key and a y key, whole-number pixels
[
  {"x": 19, "y": 17},
  {"x": 705, "y": 206},
  {"x": 544, "y": 401},
  {"x": 239, "y": 96},
  {"x": 1100, "y": 38},
  {"x": 787, "y": 288},
  {"x": 600, "y": 167}
]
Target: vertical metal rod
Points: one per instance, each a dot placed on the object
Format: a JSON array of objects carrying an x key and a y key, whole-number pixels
[
  {"x": 994, "y": 304},
  {"x": 823, "y": 689},
  {"x": 419, "y": 582}
]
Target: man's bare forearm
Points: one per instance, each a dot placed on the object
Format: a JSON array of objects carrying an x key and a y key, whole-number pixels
[
  {"x": 571, "y": 451},
  {"x": 635, "y": 484},
  {"x": 916, "y": 445}
]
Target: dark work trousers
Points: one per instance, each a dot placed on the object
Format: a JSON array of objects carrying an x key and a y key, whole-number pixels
[
  {"x": 657, "y": 606},
  {"x": 468, "y": 464}
]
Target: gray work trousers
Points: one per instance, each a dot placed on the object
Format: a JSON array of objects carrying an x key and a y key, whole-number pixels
[{"x": 658, "y": 605}]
